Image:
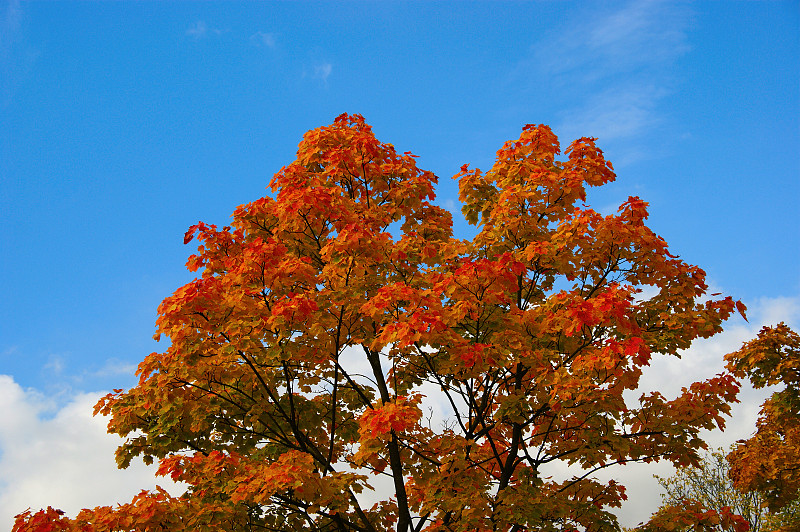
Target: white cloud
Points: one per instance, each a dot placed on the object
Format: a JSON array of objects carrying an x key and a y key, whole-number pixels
[
  {"x": 623, "y": 57},
  {"x": 55, "y": 364},
  {"x": 613, "y": 114},
  {"x": 115, "y": 367},
  {"x": 322, "y": 71},
  {"x": 10, "y": 25},
  {"x": 17, "y": 58},
  {"x": 451, "y": 205},
  {"x": 640, "y": 36},
  {"x": 265, "y": 39},
  {"x": 200, "y": 29},
  {"x": 60, "y": 456}
]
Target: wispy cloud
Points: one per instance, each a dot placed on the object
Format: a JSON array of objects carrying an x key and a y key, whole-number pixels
[
  {"x": 9, "y": 25},
  {"x": 15, "y": 59},
  {"x": 264, "y": 39},
  {"x": 8, "y": 351},
  {"x": 55, "y": 365},
  {"x": 641, "y": 35},
  {"x": 655, "y": 29},
  {"x": 615, "y": 113},
  {"x": 114, "y": 367},
  {"x": 200, "y": 29},
  {"x": 323, "y": 71},
  {"x": 625, "y": 58}
]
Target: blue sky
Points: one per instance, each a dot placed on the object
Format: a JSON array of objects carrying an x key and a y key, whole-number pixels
[{"x": 122, "y": 124}]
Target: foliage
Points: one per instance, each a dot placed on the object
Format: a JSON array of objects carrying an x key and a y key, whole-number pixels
[
  {"x": 330, "y": 317},
  {"x": 769, "y": 461},
  {"x": 710, "y": 486}
]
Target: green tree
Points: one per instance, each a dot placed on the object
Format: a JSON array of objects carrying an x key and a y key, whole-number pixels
[{"x": 710, "y": 485}]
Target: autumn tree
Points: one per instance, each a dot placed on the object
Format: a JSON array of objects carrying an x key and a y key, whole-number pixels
[
  {"x": 769, "y": 461},
  {"x": 340, "y": 339}
]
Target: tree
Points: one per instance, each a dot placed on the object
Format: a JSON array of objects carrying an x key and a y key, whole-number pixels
[
  {"x": 329, "y": 318},
  {"x": 709, "y": 485},
  {"x": 769, "y": 461}
]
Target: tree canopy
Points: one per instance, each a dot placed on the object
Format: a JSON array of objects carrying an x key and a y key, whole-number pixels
[{"x": 340, "y": 339}]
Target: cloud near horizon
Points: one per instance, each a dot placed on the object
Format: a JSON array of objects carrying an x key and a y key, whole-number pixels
[{"x": 61, "y": 456}]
